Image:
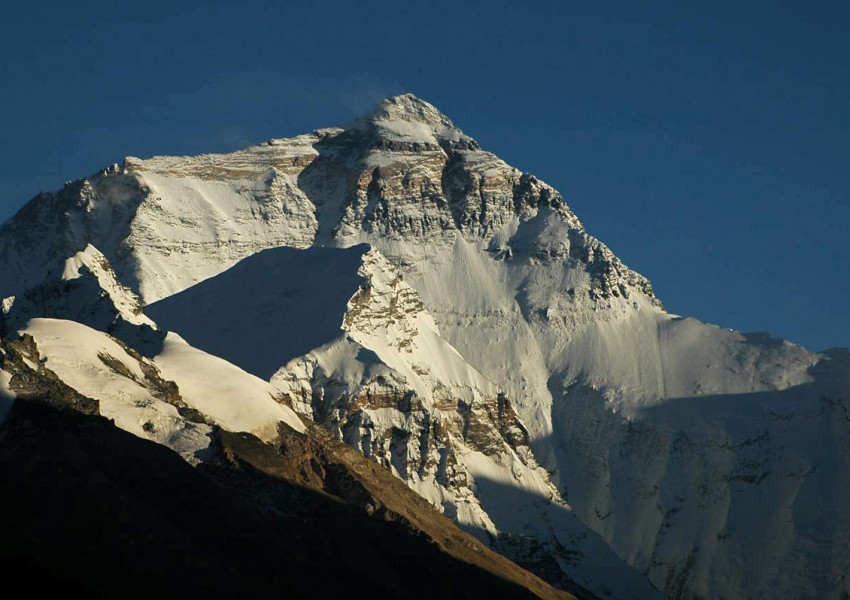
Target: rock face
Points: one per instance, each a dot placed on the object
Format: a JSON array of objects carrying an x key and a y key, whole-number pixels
[{"x": 483, "y": 347}]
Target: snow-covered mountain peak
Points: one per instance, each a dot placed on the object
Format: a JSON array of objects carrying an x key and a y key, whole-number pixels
[
  {"x": 406, "y": 119},
  {"x": 407, "y": 107},
  {"x": 90, "y": 262},
  {"x": 401, "y": 176}
]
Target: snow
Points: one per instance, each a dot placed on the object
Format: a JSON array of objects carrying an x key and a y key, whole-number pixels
[
  {"x": 342, "y": 360},
  {"x": 392, "y": 344},
  {"x": 80, "y": 288},
  {"x": 72, "y": 267},
  {"x": 293, "y": 301},
  {"x": 212, "y": 224},
  {"x": 406, "y": 118},
  {"x": 408, "y": 131},
  {"x": 529, "y": 509},
  {"x": 585, "y": 375},
  {"x": 235, "y": 399},
  {"x": 73, "y": 351},
  {"x": 395, "y": 326}
]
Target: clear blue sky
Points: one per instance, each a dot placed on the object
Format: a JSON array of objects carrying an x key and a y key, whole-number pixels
[{"x": 707, "y": 143}]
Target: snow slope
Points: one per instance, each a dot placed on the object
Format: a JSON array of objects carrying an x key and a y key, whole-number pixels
[
  {"x": 222, "y": 391},
  {"x": 98, "y": 367},
  {"x": 140, "y": 396},
  {"x": 250, "y": 328},
  {"x": 80, "y": 288}
]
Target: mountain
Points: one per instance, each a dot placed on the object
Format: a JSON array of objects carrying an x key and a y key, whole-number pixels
[{"x": 449, "y": 317}]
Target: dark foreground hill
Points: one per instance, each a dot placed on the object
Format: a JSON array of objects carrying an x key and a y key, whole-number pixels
[{"x": 87, "y": 507}]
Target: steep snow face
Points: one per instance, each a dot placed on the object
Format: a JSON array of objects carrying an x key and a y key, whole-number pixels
[
  {"x": 607, "y": 384},
  {"x": 53, "y": 226},
  {"x": 676, "y": 495},
  {"x": 168, "y": 222},
  {"x": 716, "y": 492},
  {"x": 690, "y": 480},
  {"x": 386, "y": 316}
]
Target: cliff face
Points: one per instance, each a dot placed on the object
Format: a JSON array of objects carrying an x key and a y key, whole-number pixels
[{"x": 481, "y": 345}]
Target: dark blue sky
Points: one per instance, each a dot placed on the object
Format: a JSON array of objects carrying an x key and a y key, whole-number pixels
[{"x": 708, "y": 146}]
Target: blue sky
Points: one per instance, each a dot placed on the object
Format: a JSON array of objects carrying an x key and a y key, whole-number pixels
[{"x": 708, "y": 146}]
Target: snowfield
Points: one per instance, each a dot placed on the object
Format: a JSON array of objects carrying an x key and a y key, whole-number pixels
[{"x": 230, "y": 396}]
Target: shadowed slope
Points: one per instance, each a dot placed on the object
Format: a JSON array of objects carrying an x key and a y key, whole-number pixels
[{"x": 293, "y": 301}]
